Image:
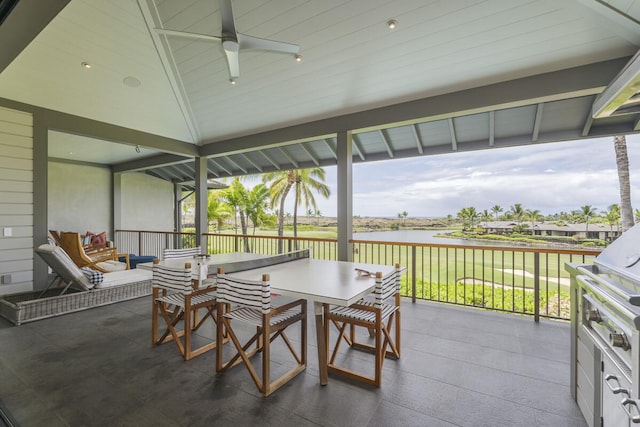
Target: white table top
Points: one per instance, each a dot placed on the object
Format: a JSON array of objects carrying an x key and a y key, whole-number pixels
[
  {"x": 213, "y": 262},
  {"x": 322, "y": 281}
]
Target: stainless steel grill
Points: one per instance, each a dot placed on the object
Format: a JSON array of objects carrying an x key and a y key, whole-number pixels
[{"x": 605, "y": 320}]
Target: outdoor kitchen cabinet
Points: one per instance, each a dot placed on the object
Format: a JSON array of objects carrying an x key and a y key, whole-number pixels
[
  {"x": 585, "y": 361},
  {"x": 605, "y": 334}
]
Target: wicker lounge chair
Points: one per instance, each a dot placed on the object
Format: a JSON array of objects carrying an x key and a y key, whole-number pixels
[{"x": 77, "y": 293}]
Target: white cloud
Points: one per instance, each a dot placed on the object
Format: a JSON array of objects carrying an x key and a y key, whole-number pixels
[{"x": 549, "y": 177}]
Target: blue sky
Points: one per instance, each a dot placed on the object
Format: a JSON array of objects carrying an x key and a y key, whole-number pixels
[{"x": 549, "y": 177}]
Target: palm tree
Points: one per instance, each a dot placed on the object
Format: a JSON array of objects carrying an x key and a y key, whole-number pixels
[
  {"x": 622, "y": 163},
  {"x": 486, "y": 216},
  {"x": 587, "y": 212},
  {"x": 305, "y": 180},
  {"x": 496, "y": 210},
  {"x": 533, "y": 215},
  {"x": 403, "y": 216},
  {"x": 217, "y": 209},
  {"x": 612, "y": 216},
  {"x": 257, "y": 204},
  {"x": 468, "y": 216},
  {"x": 236, "y": 196},
  {"x": 517, "y": 211},
  {"x": 280, "y": 185}
]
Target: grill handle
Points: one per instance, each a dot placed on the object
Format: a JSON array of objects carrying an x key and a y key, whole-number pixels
[
  {"x": 617, "y": 389},
  {"x": 596, "y": 289},
  {"x": 630, "y": 402}
]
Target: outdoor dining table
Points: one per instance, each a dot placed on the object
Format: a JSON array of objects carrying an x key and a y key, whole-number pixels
[{"x": 319, "y": 281}]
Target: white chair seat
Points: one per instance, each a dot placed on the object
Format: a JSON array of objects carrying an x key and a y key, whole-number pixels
[
  {"x": 253, "y": 316},
  {"x": 364, "y": 315},
  {"x": 178, "y": 299}
]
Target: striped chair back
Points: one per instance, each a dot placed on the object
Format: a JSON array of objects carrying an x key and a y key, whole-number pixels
[
  {"x": 249, "y": 293},
  {"x": 181, "y": 253},
  {"x": 173, "y": 279},
  {"x": 386, "y": 286}
]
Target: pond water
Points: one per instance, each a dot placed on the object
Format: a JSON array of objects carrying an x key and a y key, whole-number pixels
[{"x": 429, "y": 236}]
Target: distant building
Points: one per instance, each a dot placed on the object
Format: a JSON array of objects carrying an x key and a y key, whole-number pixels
[{"x": 552, "y": 228}]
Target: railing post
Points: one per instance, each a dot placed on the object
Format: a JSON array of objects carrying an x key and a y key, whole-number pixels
[
  {"x": 536, "y": 286},
  {"x": 204, "y": 243},
  {"x": 413, "y": 273}
]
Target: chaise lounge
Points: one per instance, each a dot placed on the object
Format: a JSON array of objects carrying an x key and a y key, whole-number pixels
[{"x": 72, "y": 290}]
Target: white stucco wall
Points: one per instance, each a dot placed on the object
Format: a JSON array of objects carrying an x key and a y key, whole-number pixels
[
  {"x": 147, "y": 203},
  {"x": 79, "y": 198}
]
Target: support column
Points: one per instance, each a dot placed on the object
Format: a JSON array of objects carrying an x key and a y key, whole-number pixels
[
  {"x": 177, "y": 207},
  {"x": 117, "y": 205},
  {"x": 345, "y": 196},
  {"x": 201, "y": 200},
  {"x": 40, "y": 196}
]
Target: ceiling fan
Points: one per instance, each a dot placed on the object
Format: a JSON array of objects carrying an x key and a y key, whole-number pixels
[{"x": 233, "y": 41}]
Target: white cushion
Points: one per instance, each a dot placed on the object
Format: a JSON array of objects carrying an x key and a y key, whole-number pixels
[
  {"x": 110, "y": 266},
  {"x": 116, "y": 278}
]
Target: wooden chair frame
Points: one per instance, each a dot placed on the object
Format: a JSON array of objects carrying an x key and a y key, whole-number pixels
[
  {"x": 266, "y": 332},
  {"x": 71, "y": 242},
  {"x": 182, "y": 305},
  {"x": 379, "y": 317}
]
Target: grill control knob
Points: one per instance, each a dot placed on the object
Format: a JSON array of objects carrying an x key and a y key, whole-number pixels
[
  {"x": 594, "y": 316},
  {"x": 619, "y": 340}
]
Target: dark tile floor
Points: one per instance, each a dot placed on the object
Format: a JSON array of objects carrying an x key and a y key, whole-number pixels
[{"x": 459, "y": 367}]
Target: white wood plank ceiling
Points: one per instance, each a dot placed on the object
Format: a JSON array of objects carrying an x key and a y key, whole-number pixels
[{"x": 352, "y": 64}]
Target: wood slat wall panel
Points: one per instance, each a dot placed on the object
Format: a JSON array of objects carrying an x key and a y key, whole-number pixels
[
  {"x": 7, "y": 197},
  {"x": 16, "y": 201},
  {"x": 16, "y": 209},
  {"x": 17, "y": 221},
  {"x": 16, "y": 255},
  {"x": 21, "y": 230},
  {"x": 16, "y": 186},
  {"x": 16, "y": 265},
  {"x": 15, "y": 243},
  {"x": 16, "y": 152},
  {"x": 16, "y": 141},
  {"x": 15, "y": 116},
  {"x": 15, "y": 129},
  {"x": 11, "y": 163},
  {"x": 16, "y": 175}
]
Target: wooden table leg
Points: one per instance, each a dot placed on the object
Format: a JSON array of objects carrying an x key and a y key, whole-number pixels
[{"x": 322, "y": 351}]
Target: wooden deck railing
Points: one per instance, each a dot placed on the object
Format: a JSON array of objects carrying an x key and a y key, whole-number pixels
[{"x": 522, "y": 280}]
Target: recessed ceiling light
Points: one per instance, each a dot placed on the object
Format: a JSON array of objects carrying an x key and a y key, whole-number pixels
[
  {"x": 233, "y": 81},
  {"x": 392, "y": 24},
  {"x": 86, "y": 65},
  {"x": 298, "y": 57}
]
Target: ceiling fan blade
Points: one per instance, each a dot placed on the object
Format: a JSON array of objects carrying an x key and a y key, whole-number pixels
[
  {"x": 187, "y": 34},
  {"x": 250, "y": 42},
  {"x": 233, "y": 63},
  {"x": 228, "y": 26}
]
